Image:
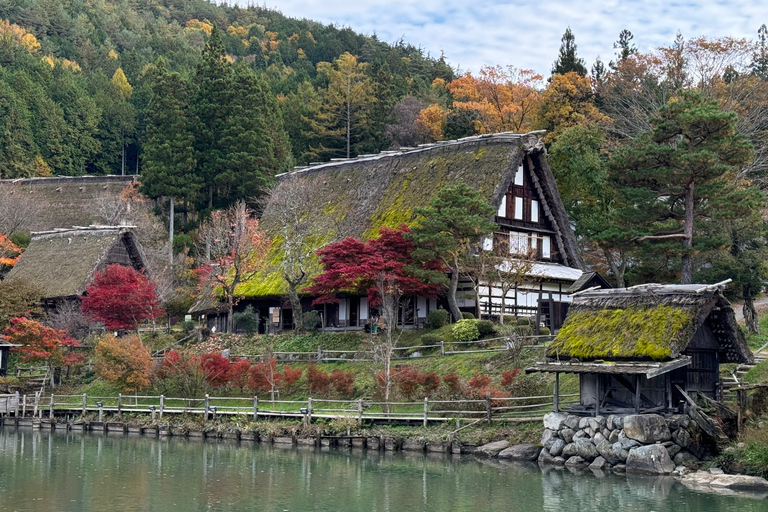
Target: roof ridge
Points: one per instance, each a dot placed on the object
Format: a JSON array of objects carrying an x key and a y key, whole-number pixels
[{"x": 83, "y": 229}]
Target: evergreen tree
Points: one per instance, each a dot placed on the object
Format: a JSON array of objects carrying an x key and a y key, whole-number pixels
[
  {"x": 675, "y": 181},
  {"x": 759, "y": 65},
  {"x": 169, "y": 155},
  {"x": 567, "y": 60},
  {"x": 17, "y": 148},
  {"x": 624, "y": 46}
]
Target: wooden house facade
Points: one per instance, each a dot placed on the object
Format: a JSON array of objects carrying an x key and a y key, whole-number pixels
[
  {"x": 61, "y": 263},
  {"x": 358, "y": 196},
  {"x": 638, "y": 349}
]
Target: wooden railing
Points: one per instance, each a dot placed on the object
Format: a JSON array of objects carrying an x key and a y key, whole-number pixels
[{"x": 425, "y": 411}]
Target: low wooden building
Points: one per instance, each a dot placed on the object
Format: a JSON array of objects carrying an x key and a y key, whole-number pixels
[
  {"x": 635, "y": 348},
  {"x": 63, "y": 262},
  {"x": 355, "y": 197},
  {"x": 5, "y": 349}
]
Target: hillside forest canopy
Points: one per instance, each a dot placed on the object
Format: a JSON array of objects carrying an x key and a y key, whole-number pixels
[{"x": 209, "y": 102}]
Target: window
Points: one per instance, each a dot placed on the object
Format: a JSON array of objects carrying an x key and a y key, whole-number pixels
[
  {"x": 519, "y": 208},
  {"x": 518, "y": 243},
  {"x": 534, "y": 210},
  {"x": 546, "y": 249},
  {"x": 503, "y": 207},
  {"x": 519, "y": 175}
]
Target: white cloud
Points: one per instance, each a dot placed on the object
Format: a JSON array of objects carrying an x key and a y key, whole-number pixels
[{"x": 526, "y": 33}]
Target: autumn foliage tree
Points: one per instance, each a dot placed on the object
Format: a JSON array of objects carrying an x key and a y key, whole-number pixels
[
  {"x": 237, "y": 249},
  {"x": 123, "y": 362},
  {"x": 41, "y": 344},
  {"x": 121, "y": 298},
  {"x": 383, "y": 268}
]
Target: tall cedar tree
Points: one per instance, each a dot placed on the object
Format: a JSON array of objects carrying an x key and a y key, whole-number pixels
[
  {"x": 169, "y": 156},
  {"x": 383, "y": 268},
  {"x": 676, "y": 177},
  {"x": 212, "y": 87},
  {"x": 41, "y": 344},
  {"x": 452, "y": 226},
  {"x": 121, "y": 298},
  {"x": 567, "y": 60}
]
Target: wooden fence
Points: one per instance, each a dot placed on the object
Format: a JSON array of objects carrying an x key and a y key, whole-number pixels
[
  {"x": 426, "y": 411},
  {"x": 446, "y": 348}
]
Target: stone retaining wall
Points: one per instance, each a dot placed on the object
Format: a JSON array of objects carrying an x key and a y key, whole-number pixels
[{"x": 640, "y": 442}]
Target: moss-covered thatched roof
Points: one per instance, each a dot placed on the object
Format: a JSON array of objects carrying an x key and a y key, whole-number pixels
[
  {"x": 360, "y": 195},
  {"x": 63, "y": 262},
  {"x": 68, "y": 201},
  {"x": 648, "y": 322}
]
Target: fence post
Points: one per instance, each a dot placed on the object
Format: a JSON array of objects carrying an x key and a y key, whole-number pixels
[
  {"x": 488, "y": 405},
  {"x": 255, "y": 407},
  {"x": 85, "y": 403},
  {"x": 442, "y": 348},
  {"x": 207, "y": 400},
  {"x": 16, "y": 410},
  {"x": 309, "y": 411},
  {"x": 37, "y": 397},
  {"x": 360, "y": 410},
  {"x": 119, "y": 403},
  {"x": 24, "y": 406},
  {"x": 50, "y": 408},
  {"x": 319, "y": 353},
  {"x": 162, "y": 405},
  {"x": 426, "y": 410}
]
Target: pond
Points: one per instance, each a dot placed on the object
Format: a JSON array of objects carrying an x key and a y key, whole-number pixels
[{"x": 68, "y": 471}]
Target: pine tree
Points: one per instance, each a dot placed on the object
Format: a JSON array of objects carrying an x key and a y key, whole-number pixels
[
  {"x": 624, "y": 46},
  {"x": 169, "y": 156},
  {"x": 759, "y": 65},
  {"x": 567, "y": 60}
]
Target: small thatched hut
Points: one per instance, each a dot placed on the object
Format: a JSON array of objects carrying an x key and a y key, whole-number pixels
[
  {"x": 63, "y": 262},
  {"x": 355, "y": 197},
  {"x": 633, "y": 347}
]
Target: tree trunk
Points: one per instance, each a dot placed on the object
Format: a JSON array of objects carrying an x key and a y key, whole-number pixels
[
  {"x": 122, "y": 164},
  {"x": 452, "y": 302},
  {"x": 686, "y": 267},
  {"x": 170, "y": 234},
  {"x": 298, "y": 311},
  {"x": 230, "y": 317},
  {"x": 210, "y": 197},
  {"x": 750, "y": 313},
  {"x": 503, "y": 306},
  {"x": 616, "y": 268}
]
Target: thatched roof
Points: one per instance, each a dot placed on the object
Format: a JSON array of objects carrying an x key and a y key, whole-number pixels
[
  {"x": 647, "y": 322},
  {"x": 68, "y": 200},
  {"x": 61, "y": 263},
  {"x": 362, "y": 194},
  {"x": 649, "y": 369}
]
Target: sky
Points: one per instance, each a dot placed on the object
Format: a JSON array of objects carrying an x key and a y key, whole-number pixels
[{"x": 526, "y": 33}]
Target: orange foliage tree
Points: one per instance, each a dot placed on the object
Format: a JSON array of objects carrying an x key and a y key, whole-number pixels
[
  {"x": 41, "y": 344},
  {"x": 505, "y": 99},
  {"x": 123, "y": 362},
  {"x": 567, "y": 101},
  {"x": 9, "y": 252}
]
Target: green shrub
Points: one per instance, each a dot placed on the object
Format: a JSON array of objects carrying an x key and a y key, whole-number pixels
[
  {"x": 544, "y": 331},
  {"x": 467, "y": 316},
  {"x": 311, "y": 320},
  {"x": 247, "y": 320},
  {"x": 510, "y": 320},
  {"x": 188, "y": 326},
  {"x": 438, "y": 318},
  {"x": 486, "y": 328},
  {"x": 430, "y": 339},
  {"x": 466, "y": 330},
  {"x": 523, "y": 321}
]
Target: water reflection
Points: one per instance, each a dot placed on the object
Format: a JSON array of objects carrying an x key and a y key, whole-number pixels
[{"x": 105, "y": 472}]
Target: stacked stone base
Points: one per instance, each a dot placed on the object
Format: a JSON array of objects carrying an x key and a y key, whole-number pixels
[{"x": 638, "y": 442}]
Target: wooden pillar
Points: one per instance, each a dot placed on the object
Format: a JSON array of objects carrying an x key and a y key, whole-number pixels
[
  {"x": 637, "y": 394},
  {"x": 741, "y": 400},
  {"x": 557, "y": 391},
  {"x": 597, "y": 392}
]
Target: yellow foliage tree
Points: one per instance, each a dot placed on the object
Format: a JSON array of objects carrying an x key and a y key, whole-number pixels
[
  {"x": 567, "y": 101},
  {"x": 121, "y": 82},
  {"x": 123, "y": 362},
  {"x": 431, "y": 123},
  {"x": 112, "y": 54},
  {"x": 505, "y": 99},
  {"x": 42, "y": 169}
]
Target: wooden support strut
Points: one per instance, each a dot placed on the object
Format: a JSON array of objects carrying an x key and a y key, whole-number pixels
[{"x": 557, "y": 392}]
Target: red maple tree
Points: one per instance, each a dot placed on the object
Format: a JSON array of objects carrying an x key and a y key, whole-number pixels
[
  {"x": 41, "y": 344},
  {"x": 121, "y": 298},
  {"x": 380, "y": 267}
]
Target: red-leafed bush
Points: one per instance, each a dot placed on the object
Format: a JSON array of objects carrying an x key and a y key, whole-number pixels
[
  {"x": 479, "y": 381},
  {"x": 264, "y": 376},
  {"x": 318, "y": 381},
  {"x": 453, "y": 382},
  {"x": 239, "y": 373},
  {"x": 509, "y": 377},
  {"x": 291, "y": 376},
  {"x": 343, "y": 382},
  {"x": 407, "y": 380},
  {"x": 429, "y": 382},
  {"x": 216, "y": 369},
  {"x": 482, "y": 393}
]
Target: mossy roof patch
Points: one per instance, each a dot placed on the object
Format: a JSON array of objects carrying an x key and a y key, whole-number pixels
[
  {"x": 656, "y": 333},
  {"x": 361, "y": 195}
]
